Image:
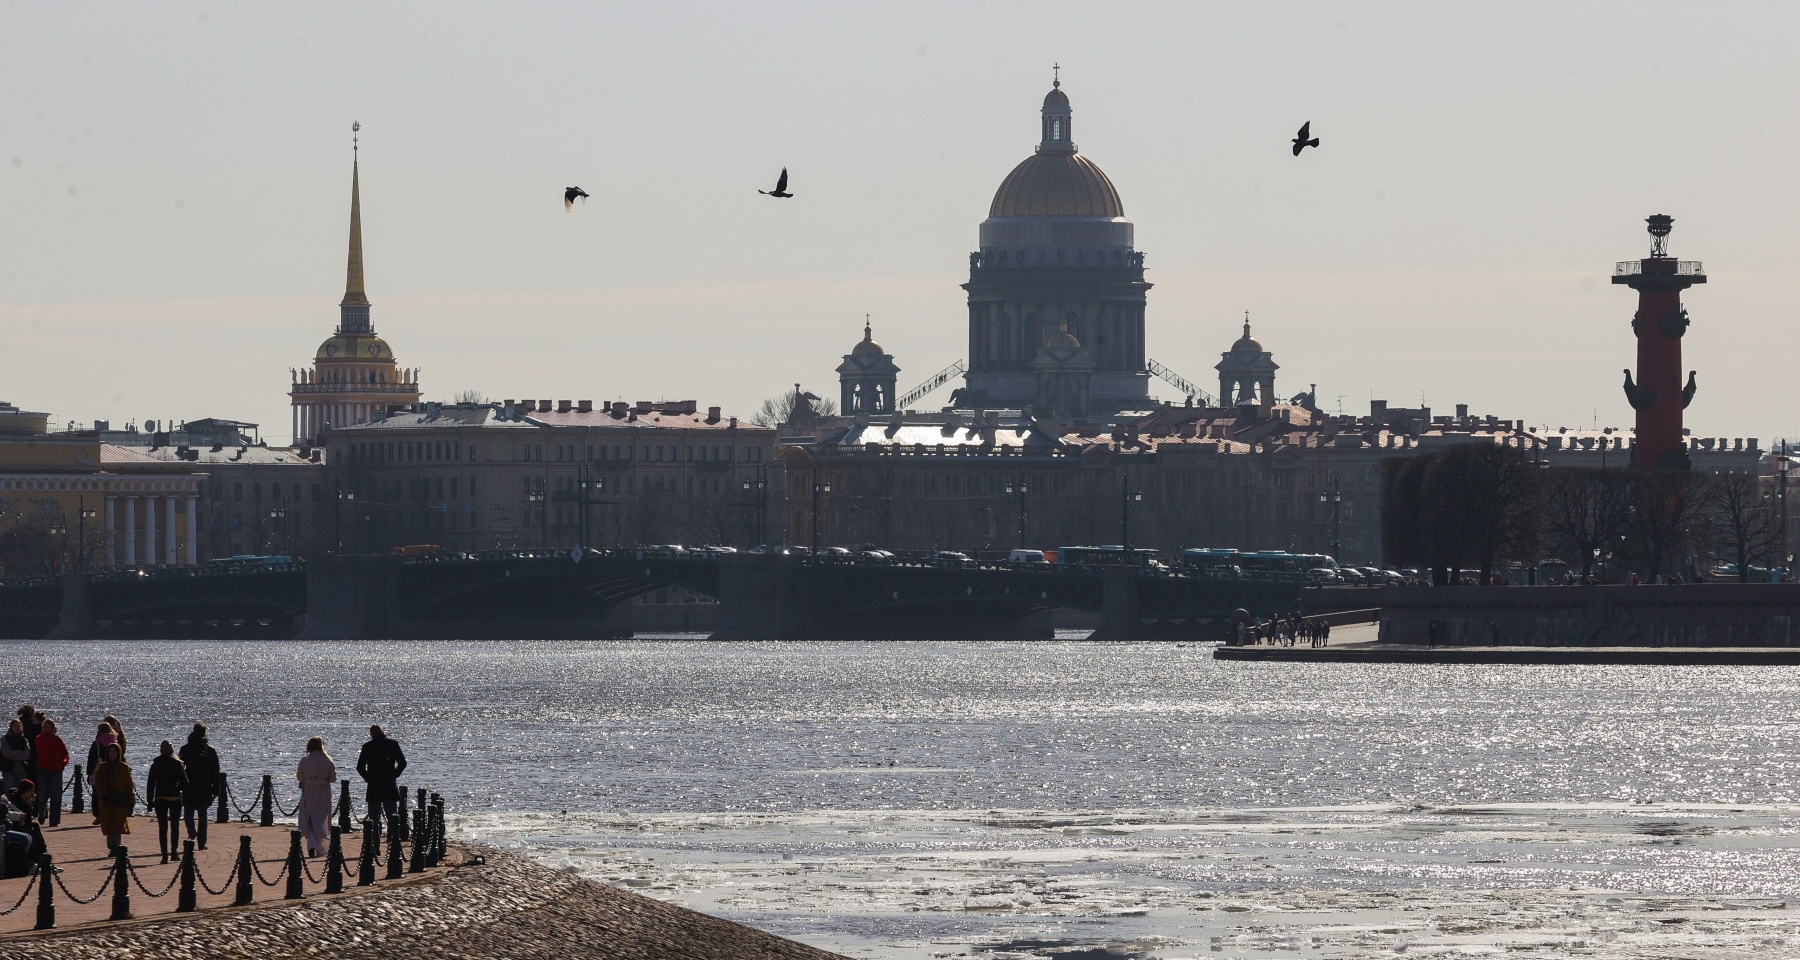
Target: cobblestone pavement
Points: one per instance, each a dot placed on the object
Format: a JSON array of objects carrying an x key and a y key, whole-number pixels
[{"x": 496, "y": 906}]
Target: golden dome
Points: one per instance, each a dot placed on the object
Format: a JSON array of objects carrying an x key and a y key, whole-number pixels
[
  {"x": 353, "y": 346},
  {"x": 1247, "y": 343},
  {"x": 1063, "y": 339},
  {"x": 867, "y": 347},
  {"x": 1052, "y": 184}
]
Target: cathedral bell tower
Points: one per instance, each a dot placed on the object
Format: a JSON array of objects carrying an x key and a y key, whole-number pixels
[{"x": 866, "y": 378}]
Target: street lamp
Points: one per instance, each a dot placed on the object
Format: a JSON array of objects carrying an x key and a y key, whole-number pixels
[
  {"x": 60, "y": 530},
  {"x": 86, "y": 513},
  {"x": 337, "y": 516},
  {"x": 1334, "y": 496},
  {"x": 1127, "y": 497},
  {"x": 278, "y": 516},
  {"x": 537, "y": 497},
  {"x": 760, "y": 484},
  {"x": 1020, "y": 489},
  {"x": 817, "y": 488}
]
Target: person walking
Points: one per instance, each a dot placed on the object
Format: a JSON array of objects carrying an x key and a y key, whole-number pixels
[
  {"x": 380, "y": 764},
  {"x": 114, "y": 795},
  {"x": 317, "y": 775},
  {"x": 202, "y": 763},
  {"x": 15, "y": 756},
  {"x": 105, "y": 736},
  {"x": 52, "y": 760},
  {"x": 164, "y": 786}
]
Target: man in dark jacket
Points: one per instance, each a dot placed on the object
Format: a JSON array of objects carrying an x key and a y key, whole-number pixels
[
  {"x": 202, "y": 783},
  {"x": 380, "y": 765}
]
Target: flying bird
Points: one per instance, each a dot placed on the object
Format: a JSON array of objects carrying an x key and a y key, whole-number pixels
[
  {"x": 569, "y": 196},
  {"x": 1301, "y": 142},
  {"x": 780, "y": 187}
]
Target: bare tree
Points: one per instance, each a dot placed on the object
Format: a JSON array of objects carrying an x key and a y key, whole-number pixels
[
  {"x": 469, "y": 396},
  {"x": 1669, "y": 506},
  {"x": 1741, "y": 521},
  {"x": 1480, "y": 502},
  {"x": 780, "y": 409},
  {"x": 1586, "y": 511}
]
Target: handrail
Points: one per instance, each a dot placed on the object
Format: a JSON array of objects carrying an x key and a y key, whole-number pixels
[{"x": 936, "y": 380}]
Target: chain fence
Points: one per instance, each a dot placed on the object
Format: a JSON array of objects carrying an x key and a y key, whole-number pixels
[
  {"x": 32, "y": 885},
  {"x": 84, "y": 900},
  {"x": 146, "y": 890},
  {"x": 225, "y": 887}
]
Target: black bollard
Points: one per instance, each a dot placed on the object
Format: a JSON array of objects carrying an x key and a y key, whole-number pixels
[
  {"x": 396, "y": 864},
  {"x": 46, "y": 918},
  {"x": 77, "y": 805},
  {"x": 399, "y": 824},
  {"x": 186, "y": 902},
  {"x": 365, "y": 864},
  {"x": 246, "y": 889},
  {"x": 296, "y": 867},
  {"x": 334, "y": 862},
  {"x": 440, "y": 836},
  {"x": 224, "y": 812},
  {"x": 268, "y": 801},
  {"x": 121, "y": 883},
  {"x": 418, "y": 843},
  {"x": 421, "y": 799},
  {"x": 343, "y": 817}
]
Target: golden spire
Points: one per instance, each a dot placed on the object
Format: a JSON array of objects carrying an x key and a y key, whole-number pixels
[{"x": 353, "y": 282}]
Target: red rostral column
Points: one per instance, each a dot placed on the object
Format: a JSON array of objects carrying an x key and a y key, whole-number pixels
[{"x": 1658, "y": 395}]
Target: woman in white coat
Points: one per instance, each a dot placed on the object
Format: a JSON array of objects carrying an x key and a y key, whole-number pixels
[{"x": 318, "y": 775}]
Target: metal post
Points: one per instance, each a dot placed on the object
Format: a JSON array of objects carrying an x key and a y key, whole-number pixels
[
  {"x": 121, "y": 905},
  {"x": 1337, "y": 513},
  {"x": 224, "y": 810},
  {"x": 334, "y": 863},
  {"x": 396, "y": 861},
  {"x": 419, "y": 836},
  {"x": 398, "y": 823},
  {"x": 343, "y": 816},
  {"x": 816, "y": 487},
  {"x": 439, "y": 844},
  {"x": 46, "y": 912},
  {"x": 246, "y": 888},
  {"x": 365, "y": 864},
  {"x": 296, "y": 867},
  {"x": 1781, "y": 475},
  {"x": 77, "y": 805},
  {"x": 1126, "y": 498},
  {"x": 268, "y": 801},
  {"x": 186, "y": 903}
]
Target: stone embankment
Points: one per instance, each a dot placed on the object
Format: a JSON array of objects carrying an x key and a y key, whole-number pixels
[{"x": 492, "y": 906}]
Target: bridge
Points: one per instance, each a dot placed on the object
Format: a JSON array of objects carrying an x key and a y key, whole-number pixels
[{"x": 552, "y": 595}]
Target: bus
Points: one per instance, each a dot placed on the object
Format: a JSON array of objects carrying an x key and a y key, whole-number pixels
[
  {"x": 1211, "y": 561},
  {"x": 1105, "y": 556}
]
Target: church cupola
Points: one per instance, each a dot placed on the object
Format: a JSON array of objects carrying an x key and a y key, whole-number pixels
[
  {"x": 867, "y": 377},
  {"x": 1058, "y": 135}
]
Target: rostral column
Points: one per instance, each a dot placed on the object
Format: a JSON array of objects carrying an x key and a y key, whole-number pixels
[{"x": 1658, "y": 394}]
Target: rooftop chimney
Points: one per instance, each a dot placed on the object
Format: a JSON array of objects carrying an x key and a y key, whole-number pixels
[
  {"x": 645, "y": 406},
  {"x": 543, "y": 406},
  {"x": 585, "y": 406},
  {"x": 712, "y": 414},
  {"x": 564, "y": 406},
  {"x": 1462, "y": 411}
]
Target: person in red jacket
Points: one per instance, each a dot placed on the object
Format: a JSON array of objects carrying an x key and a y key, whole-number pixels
[{"x": 52, "y": 760}]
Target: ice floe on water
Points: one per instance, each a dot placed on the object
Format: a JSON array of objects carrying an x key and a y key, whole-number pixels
[{"x": 1356, "y": 881}]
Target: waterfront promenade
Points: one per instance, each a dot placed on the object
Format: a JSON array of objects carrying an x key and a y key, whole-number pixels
[{"x": 477, "y": 903}]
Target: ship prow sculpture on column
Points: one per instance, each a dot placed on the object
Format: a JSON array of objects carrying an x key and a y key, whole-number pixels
[{"x": 1657, "y": 393}]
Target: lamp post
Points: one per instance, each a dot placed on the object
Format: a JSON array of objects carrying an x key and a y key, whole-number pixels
[
  {"x": 1781, "y": 479},
  {"x": 1598, "y": 575},
  {"x": 1334, "y": 496},
  {"x": 86, "y": 513},
  {"x": 1126, "y": 498},
  {"x": 1020, "y": 489},
  {"x": 278, "y": 516},
  {"x": 760, "y": 484},
  {"x": 537, "y": 497},
  {"x": 337, "y": 515},
  {"x": 60, "y": 530},
  {"x": 817, "y": 488}
]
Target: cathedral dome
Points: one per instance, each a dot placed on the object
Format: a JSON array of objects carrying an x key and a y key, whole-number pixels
[
  {"x": 350, "y": 346},
  {"x": 1056, "y": 185},
  {"x": 1056, "y": 99},
  {"x": 1246, "y": 343}
]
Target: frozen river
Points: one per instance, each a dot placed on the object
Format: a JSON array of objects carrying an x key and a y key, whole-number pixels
[{"x": 1055, "y": 799}]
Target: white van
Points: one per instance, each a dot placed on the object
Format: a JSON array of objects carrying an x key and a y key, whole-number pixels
[{"x": 1026, "y": 556}]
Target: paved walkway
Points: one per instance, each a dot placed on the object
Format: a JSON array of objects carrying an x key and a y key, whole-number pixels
[{"x": 80, "y": 850}]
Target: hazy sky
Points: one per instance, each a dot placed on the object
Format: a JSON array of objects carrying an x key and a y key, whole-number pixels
[{"x": 174, "y": 188}]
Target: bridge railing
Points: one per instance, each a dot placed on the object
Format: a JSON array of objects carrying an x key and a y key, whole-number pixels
[{"x": 130, "y": 574}]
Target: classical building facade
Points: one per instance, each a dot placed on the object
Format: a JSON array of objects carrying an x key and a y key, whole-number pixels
[
  {"x": 1057, "y": 262},
  {"x": 354, "y": 375},
  {"x": 537, "y": 474}
]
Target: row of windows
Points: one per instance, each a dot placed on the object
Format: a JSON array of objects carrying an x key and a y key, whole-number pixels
[
  {"x": 654, "y": 453},
  {"x": 277, "y": 491}
]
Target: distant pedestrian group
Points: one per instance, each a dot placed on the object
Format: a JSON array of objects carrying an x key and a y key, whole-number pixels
[
  {"x": 1283, "y": 631},
  {"x": 181, "y": 787}
]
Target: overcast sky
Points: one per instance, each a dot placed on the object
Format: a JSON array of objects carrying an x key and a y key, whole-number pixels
[{"x": 174, "y": 189}]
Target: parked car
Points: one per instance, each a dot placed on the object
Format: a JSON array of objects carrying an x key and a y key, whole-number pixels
[
  {"x": 834, "y": 552},
  {"x": 1351, "y": 576},
  {"x": 1321, "y": 576},
  {"x": 952, "y": 558}
]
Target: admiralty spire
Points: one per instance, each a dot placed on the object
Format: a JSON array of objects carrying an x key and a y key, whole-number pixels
[
  {"x": 1057, "y": 266},
  {"x": 354, "y": 375}
]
